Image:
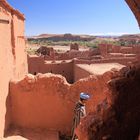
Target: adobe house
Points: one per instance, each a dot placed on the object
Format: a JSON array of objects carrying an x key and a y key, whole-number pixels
[{"x": 74, "y": 46}]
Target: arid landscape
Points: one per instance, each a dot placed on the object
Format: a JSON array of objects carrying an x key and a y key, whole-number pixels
[
  {"x": 42, "y": 76},
  {"x": 61, "y": 42}
]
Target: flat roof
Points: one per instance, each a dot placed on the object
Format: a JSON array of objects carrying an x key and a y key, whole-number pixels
[{"x": 99, "y": 69}]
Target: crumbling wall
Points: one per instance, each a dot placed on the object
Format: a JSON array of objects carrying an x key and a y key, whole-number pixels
[
  {"x": 74, "y": 46},
  {"x": 118, "y": 117},
  {"x": 34, "y": 64},
  {"x": 47, "y": 100},
  {"x": 65, "y": 68},
  {"x": 78, "y": 54},
  {"x": 45, "y": 103}
]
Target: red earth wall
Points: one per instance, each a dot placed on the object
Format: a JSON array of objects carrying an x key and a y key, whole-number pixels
[
  {"x": 72, "y": 54},
  {"x": 80, "y": 73},
  {"x": 120, "y": 60},
  {"x": 13, "y": 60},
  {"x": 38, "y": 65},
  {"x": 47, "y": 100},
  {"x": 118, "y": 119},
  {"x": 68, "y": 69},
  {"x": 108, "y": 48}
]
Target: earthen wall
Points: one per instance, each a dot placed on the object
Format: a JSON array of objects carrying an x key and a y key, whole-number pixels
[
  {"x": 63, "y": 68},
  {"x": 120, "y": 60},
  {"x": 20, "y": 48},
  {"x": 6, "y": 62},
  {"x": 136, "y": 49},
  {"x": 38, "y": 65},
  {"x": 76, "y": 54},
  {"x": 108, "y": 48},
  {"x": 80, "y": 73},
  {"x": 126, "y": 50},
  {"x": 68, "y": 68},
  {"x": 103, "y": 49},
  {"x": 10, "y": 67},
  {"x": 49, "y": 100}
]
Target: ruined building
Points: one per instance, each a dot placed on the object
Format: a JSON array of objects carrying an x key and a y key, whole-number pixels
[{"x": 40, "y": 107}]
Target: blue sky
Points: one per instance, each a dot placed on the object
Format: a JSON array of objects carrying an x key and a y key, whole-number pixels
[{"x": 77, "y": 16}]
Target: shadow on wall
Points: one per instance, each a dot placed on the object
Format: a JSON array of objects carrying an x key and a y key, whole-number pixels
[
  {"x": 8, "y": 114},
  {"x": 38, "y": 65},
  {"x": 119, "y": 119},
  {"x": 68, "y": 69}
]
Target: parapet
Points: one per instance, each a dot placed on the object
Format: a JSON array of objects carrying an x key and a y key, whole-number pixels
[{"x": 13, "y": 11}]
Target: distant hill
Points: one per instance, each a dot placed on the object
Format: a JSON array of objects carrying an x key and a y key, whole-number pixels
[
  {"x": 130, "y": 37},
  {"x": 62, "y": 37},
  {"x": 83, "y": 40},
  {"x": 68, "y": 36}
]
